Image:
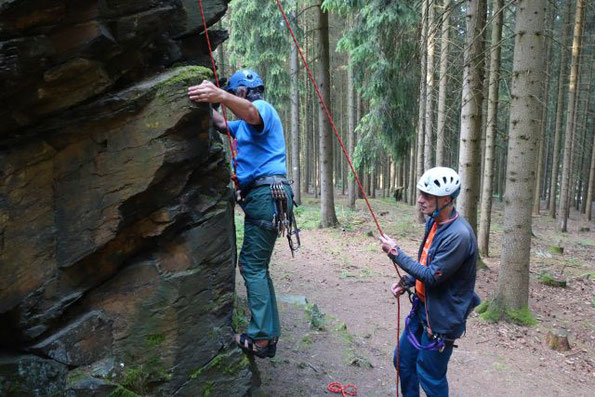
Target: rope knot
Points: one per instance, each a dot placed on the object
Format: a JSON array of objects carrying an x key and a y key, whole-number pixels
[{"x": 347, "y": 390}]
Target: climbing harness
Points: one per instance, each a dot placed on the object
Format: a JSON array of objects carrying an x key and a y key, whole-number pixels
[
  {"x": 283, "y": 219},
  {"x": 347, "y": 390},
  {"x": 438, "y": 343}
]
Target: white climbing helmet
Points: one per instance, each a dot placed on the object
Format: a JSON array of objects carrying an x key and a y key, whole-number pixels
[{"x": 440, "y": 182}]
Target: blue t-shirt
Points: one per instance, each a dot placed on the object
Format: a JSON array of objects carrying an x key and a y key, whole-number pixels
[{"x": 259, "y": 153}]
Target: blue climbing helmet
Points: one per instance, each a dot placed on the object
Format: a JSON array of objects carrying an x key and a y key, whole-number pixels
[{"x": 244, "y": 78}]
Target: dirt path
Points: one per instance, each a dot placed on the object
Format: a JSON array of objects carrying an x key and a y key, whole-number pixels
[{"x": 342, "y": 272}]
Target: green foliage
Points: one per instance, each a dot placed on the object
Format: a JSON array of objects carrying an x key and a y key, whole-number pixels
[
  {"x": 344, "y": 332},
  {"x": 483, "y": 306},
  {"x": 307, "y": 340},
  {"x": 121, "y": 391},
  {"x": 155, "y": 340},
  {"x": 547, "y": 279},
  {"x": 239, "y": 319},
  {"x": 260, "y": 40},
  {"x": 316, "y": 317},
  {"x": 307, "y": 216},
  {"x": 381, "y": 41}
]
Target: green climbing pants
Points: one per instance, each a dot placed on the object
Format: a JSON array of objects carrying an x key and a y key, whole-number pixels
[{"x": 255, "y": 256}]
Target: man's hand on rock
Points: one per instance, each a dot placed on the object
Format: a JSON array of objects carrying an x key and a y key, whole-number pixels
[{"x": 206, "y": 92}]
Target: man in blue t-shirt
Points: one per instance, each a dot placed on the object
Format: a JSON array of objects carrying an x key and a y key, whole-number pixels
[{"x": 261, "y": 173}]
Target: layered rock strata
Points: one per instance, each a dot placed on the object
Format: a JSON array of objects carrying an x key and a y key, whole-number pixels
[{"x": 117, "y": 245}]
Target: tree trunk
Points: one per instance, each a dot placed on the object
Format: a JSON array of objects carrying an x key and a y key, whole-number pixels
[
  {"x": 470, "y": 139},
  {"x": 429, "y": 127},
  {"x": 572, "y": 91},
  {"x": 411, "y": 187},
  {"x": 559, "y": 111},
  {"x": 590, "y": 188},
  {"x": 316, "y": 143},
  {"x": 525, "y": 109},
  {"x": 440, "y": 132},
  {"x": 351, "y": 114},
  {"x": 546, "y": 85},
  {"x": 422, "y": 101},
  {"x": 295, "y": 124},
  {"x": 483, "y": 237},
  {"x": 589, "y": 153},
  {"x": 328, "y": 218}
]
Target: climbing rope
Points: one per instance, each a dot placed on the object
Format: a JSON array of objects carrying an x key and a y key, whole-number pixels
[
  {"x": 361, "y": 188},
  {"x": 223, "y": 110},
  {"x": 347, "y": 390}
]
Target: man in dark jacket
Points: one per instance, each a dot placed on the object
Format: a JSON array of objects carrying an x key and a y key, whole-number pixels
[{"x": 444, "y": 278}]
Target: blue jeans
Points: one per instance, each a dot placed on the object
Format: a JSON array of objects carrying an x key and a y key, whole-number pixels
[{"x": 427, "y": 368}]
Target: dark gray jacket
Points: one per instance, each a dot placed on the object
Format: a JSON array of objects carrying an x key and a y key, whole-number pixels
[{"x": 450, "y": 278}]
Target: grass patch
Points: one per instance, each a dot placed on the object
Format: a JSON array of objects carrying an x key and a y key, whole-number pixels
[
  {"x": 403, "y": 228},
  {"x": 586, "y": 243},
  {"x": 547, "y": 279},
  {"x": 344, "y": 333},
  {"x": 308, "y": 217},
  {"x": 307, "y": 340}
]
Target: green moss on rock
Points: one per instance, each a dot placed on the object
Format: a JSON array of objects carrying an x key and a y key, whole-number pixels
[{"x": 186, "y": 75}]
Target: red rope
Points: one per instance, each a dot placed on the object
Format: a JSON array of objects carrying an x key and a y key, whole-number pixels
[
  {"x": 328, "y": 115},
  {"x": 233, "y": 152},
  {"x": 347, "y": 390}
]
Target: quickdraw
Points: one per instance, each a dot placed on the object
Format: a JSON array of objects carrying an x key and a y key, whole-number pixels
[{"x": 284, "y": 220}]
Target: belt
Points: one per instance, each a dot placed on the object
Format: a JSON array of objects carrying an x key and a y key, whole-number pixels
[
  {"x": 262, "y": 181},
  {"x": 268, "y": 180}
]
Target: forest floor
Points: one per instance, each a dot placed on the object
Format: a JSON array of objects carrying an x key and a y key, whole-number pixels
[{"x": 338, "y": 317}]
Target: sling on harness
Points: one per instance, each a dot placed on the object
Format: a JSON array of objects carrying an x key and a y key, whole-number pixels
[
  {"x": 284, "y": 222},
  {"x": 438, "y": 343}
]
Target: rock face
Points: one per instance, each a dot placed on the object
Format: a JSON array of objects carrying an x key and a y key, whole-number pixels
[{"x": 117, "y": 245}]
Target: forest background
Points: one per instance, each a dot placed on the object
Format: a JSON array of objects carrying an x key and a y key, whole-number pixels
[{"x": 500, "y": 91}]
